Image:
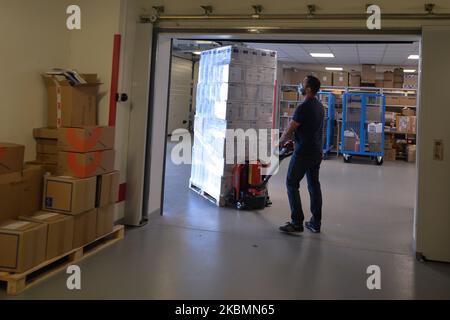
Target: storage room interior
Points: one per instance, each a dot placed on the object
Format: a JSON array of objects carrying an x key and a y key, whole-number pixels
[{"x": 355, "y": 183}]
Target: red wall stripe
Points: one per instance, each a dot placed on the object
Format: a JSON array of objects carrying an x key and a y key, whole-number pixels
[
  {"x": 114, "y": 81},
  {"x": 122, "y": 192},
  {"x": 112, "y": 98}
]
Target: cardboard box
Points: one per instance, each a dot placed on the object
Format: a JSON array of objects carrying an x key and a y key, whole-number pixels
[
  {"x": 412, "y": 124},
  {"x": 11, "y": 157},
  {"x": 355, "y": 79},
  {"x": 406, "y": 124},
  {"x": 86, "y": 139},
  {"x": 388, "y": 144},
  {"x": 389, "y": 155},
  {"x": 50, "y": 158},
  {"x": 390, "y": 117},
  {"x": 340, "y": 79},
  {"x": 69, "y": 195},
  {"x": 11, "y": 190},
  {"x": 408, "y": 112},
  {"x": 33, "y": 178},
  {"x": 407, "y": 101},
  {"x": 388, "y": 84},
  {"x": 49, "y": 146},
  {"x": 379, "y": 83},
  {"x": 351, "y": 144},
  {"x": 84, "y": 165},
  {"x": 78, "y": 103},
  {"x": 369, "y": 73},
  {"x": 398, "y": 72},
  {"x": 59, "y": 231},
  {"x": 47, "y": 167},
  {"x": 411, "y": 153},
  {"x": 392, "y": 100},
  {"x": 296, "y": 76},
  {"x": 105, "y": 220},
  {"x": 374, "y": 137},
  {"x": 287, "y": 112},
  {"x": 373, "y": 113},
  {"x": 45, "y": 133},
  {"x": 388, "y": 76},
  {"x": 290, "y": 96},
  {"x": 107, "y": 189},
  {"x": 398, "y": 79},
  {"x": 22, "y": 245},
  {"x": 398, "y": 85},
  {"x": 325, "y": 78},
  {"x": 85, "y": 228}
]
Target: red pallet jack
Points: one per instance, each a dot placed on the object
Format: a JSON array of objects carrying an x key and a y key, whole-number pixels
[{"x": 249, "y": 190}]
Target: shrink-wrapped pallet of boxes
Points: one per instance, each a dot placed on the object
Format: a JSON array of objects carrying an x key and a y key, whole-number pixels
[{"x": 235, "y": 91}]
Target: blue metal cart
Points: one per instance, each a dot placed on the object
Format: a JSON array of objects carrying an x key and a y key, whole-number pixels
[
  {"x": 328, "y": 100},
  {"x": 363, "y": 119}
]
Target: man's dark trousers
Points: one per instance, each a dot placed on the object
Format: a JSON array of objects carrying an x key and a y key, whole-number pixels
[{"x": 298, "y": 167}]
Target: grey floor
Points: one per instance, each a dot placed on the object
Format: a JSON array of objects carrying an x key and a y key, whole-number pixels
[{"x": 199, "y": 251}]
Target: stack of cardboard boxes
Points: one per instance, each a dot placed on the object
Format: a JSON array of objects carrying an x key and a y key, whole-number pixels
[
  {"x": 340, "y": 79},
  {"x": 398, "y": 77},
  {"x": 368, "y": 75},
  {"x": 46, "y": 148},
  {"x": 295, "y": 76},
  {"x": 389, "y": 150},
  {"x": 355, "y": 79},
  {"x": 22, "y": 243},
  {"x": 44, "y": 216}
]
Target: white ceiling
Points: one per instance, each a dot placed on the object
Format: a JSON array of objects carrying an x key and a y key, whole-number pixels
[{"x": 345, "y": 54}]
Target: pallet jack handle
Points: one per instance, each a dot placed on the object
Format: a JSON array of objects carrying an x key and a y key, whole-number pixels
[{"x": 284, "y": 152}]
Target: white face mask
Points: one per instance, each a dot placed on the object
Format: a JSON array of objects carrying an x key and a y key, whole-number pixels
[{"x": 302, "y": 89}]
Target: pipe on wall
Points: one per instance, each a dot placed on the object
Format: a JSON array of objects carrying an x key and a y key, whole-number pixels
[{"x": 307, "y": 17}]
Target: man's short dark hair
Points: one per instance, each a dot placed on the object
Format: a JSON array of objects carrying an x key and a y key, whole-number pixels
[{"x": 313, "y": 83}]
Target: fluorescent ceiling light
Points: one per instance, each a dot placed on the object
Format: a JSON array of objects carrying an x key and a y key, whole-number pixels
[
  {"x": 322, "y": 55},
  {"x": 334, "y": 68},
  {"x": 205, "y": 42},
  {"x": 197, "y": 53},
  {"x": 409, "y": 70},
  {"x": 413, "y": 57}
]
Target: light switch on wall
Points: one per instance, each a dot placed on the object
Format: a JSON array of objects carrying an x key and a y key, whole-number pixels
[{"x": 438, "y": 150}]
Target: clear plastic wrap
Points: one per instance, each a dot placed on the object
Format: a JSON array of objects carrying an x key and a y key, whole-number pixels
[{"x": 235, "y": 91}]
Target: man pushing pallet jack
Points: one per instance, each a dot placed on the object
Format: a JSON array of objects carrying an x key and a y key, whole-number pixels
[{"x": 250, "y": 187}]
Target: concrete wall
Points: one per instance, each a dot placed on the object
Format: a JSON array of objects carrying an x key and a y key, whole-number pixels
[
  {"x": 33, "y": 39},
  {"x": 433, "y": 203},
  {"x": 91, "y": 51}
]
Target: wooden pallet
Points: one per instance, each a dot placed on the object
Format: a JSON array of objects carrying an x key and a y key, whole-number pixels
[
  {"x": 18, "y": 282},
  {"x": 218, "y": 202}
]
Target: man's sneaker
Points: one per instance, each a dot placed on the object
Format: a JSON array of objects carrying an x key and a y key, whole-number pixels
[
  {"x": 290, "y": 227},
  {"x": 311, "y": 227}
]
